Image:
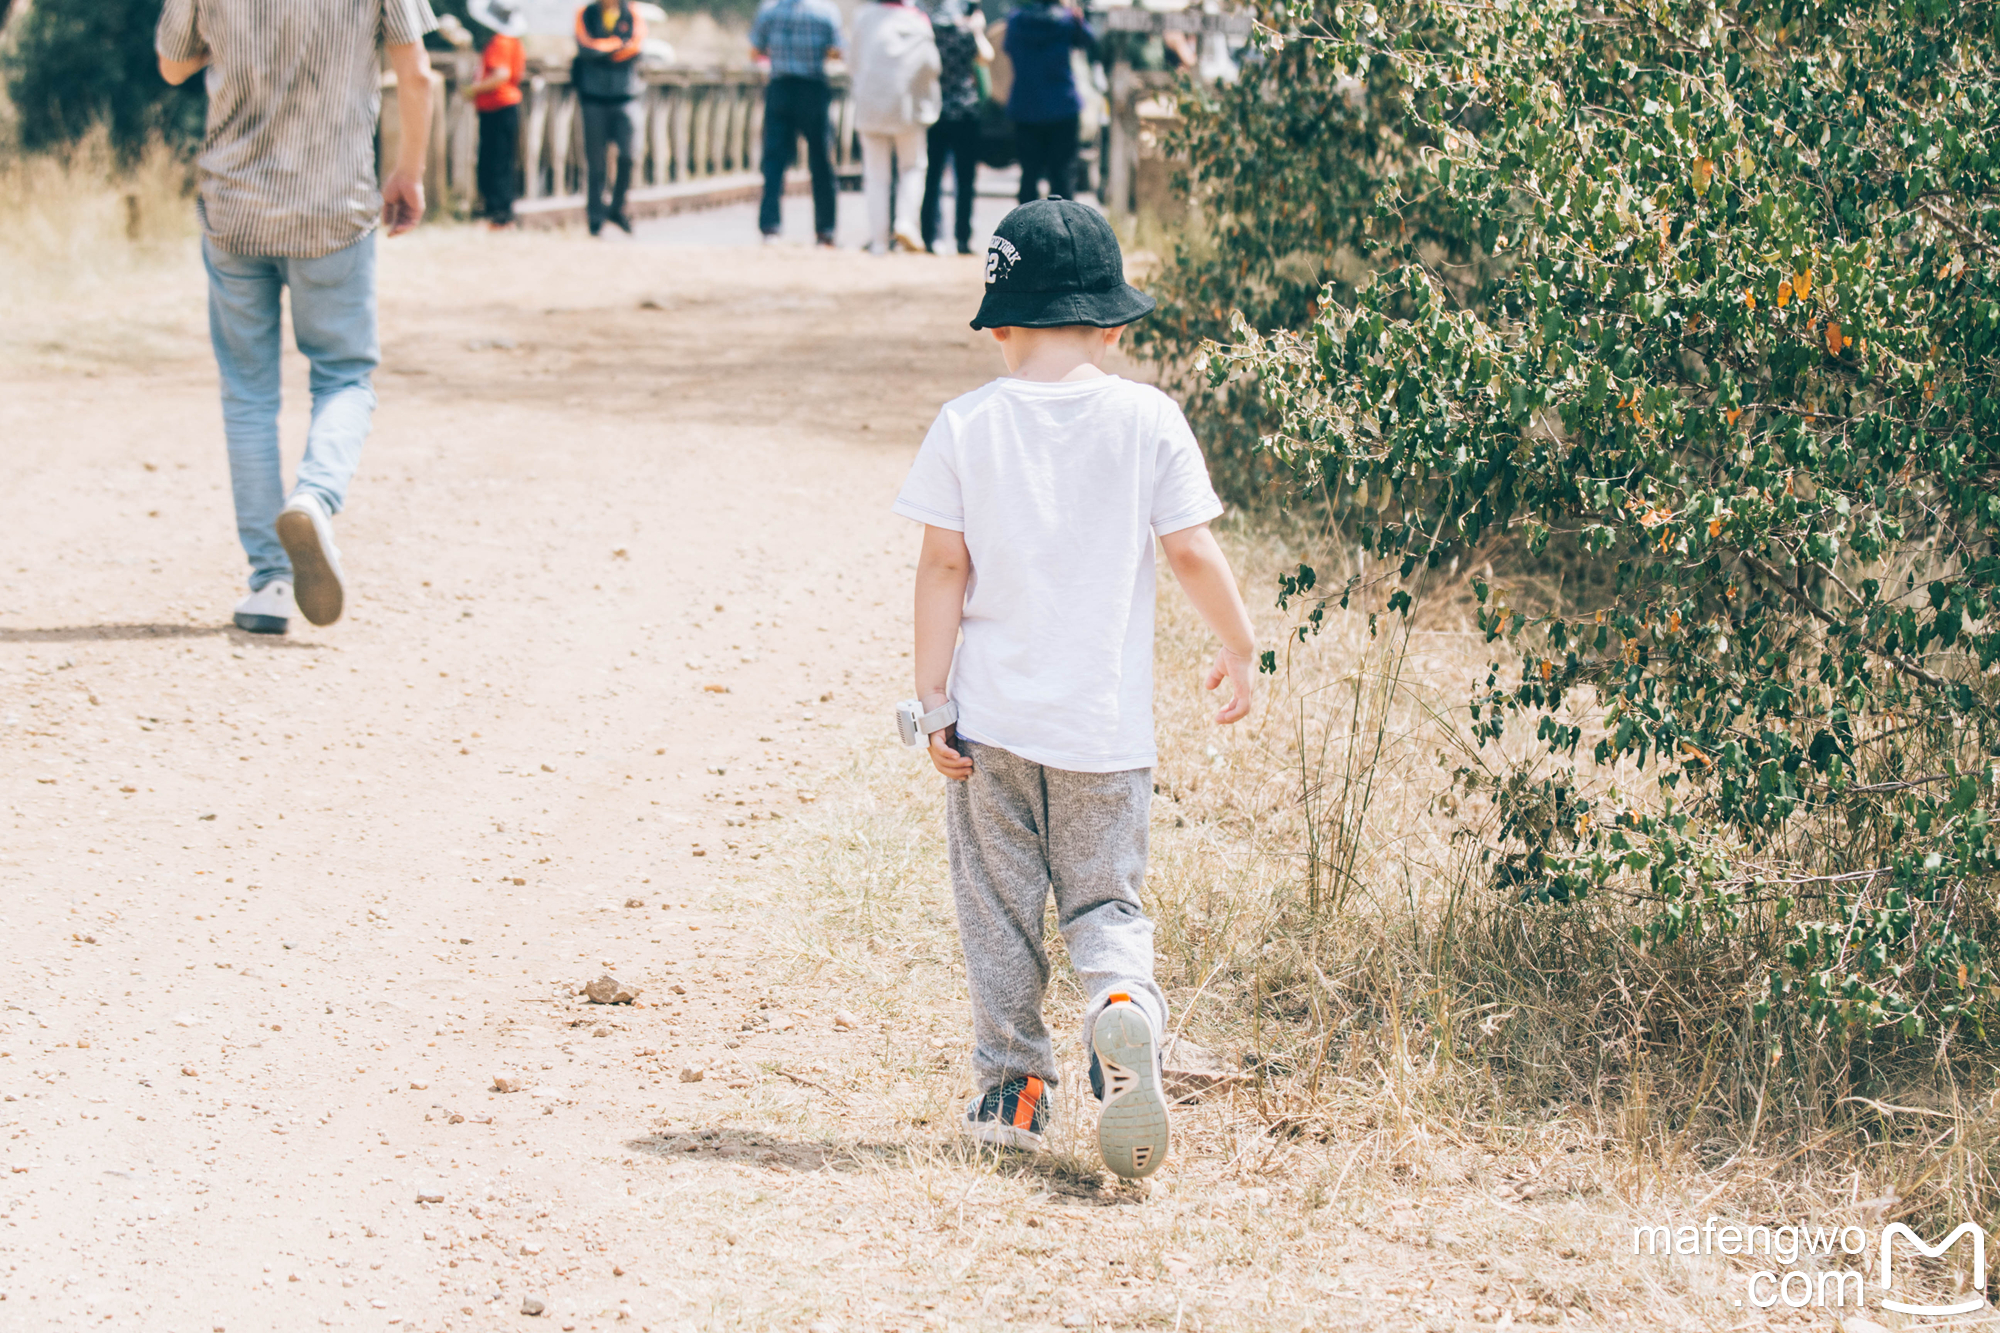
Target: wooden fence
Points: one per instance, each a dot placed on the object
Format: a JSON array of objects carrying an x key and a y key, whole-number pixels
[{"x": 701, "y": 139}]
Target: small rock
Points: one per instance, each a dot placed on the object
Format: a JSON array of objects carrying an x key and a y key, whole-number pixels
[
  {"x": 1192, "y": 1070},
  {"x": 531, "y": 1248},
  {"x": 608, "y": 989},
  {"x": 601, "y": 1032},
  {"x": 506, "y": 1083},
  {"x": 617, "y": 1270},
  {"x": 548, "y": 768},
  {"x": 679, "y": 989},
  {"x": 430, "y": 1194},
  {"x": 689, "y": 1074},
  {"x": 843, "y": 1021},
  {"x": 188, "y": 1071},
  {"x": 1076, "y": 1319},
  {"x": 531, "y": 1306},
  {"x": 1855, "y": 1323},
  {"x": 635, "y": 902},
  {"x": 419, "y": 1087}
]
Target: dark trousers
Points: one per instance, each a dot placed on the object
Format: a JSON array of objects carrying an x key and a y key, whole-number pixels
[
  {"x": 612, "y": 124},
  {"x": 958, "y": 137},
  {"x": 795, "y": 106},
  {"x": 1048, "y": 152},
  {"x": 499, "y": 162}
]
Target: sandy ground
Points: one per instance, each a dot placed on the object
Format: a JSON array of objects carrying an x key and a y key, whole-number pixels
[{"x": 277, "y": 912}]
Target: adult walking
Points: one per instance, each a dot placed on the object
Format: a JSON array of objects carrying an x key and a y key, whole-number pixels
[
  {"x": 1043, "y": 103},
  {"x": 503, "y": 67},
  {"x": 796, "y": 37},
  {"x": 962, "y": 48},
  {"x": 609, "y": 34},
  {"x": 896, "y": 101},
  {"x": 288, "y": 198}
]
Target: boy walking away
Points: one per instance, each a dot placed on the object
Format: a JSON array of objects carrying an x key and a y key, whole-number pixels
[
  {"x": 609, "y": 35},
  {"x": 895, "y": 101},
  {"x": 1041, "y": 495},
  {"x": 796, "y": 37},
  {"x": 288, "y": 198},
  {"x": 497, "y": 95}
]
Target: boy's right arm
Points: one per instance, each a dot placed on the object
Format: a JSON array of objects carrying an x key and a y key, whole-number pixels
[
  {"x": 943, "y": 568},
  {"x": 1204, "y": 575}
]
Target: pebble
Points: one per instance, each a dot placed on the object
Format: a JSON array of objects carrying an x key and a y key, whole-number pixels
[
  {"x": 531, "y": 1248},
  {"x": 430, "y": 1194},
  {"x": 1855, "y": 1323},
  {"x": 531, "y": 1306},
  {"x": 692, "y": 1073},
  {"x": 843, "y": 1021},
  {"x": 608, "y": 989},
  {"x": 506, "y": 1083},
  {"x": 635, "y": 902}
]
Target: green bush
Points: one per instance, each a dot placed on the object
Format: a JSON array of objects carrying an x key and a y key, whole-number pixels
[
  {"x": 1740, "y": 351},
  {"x": 74, "y": 66}
]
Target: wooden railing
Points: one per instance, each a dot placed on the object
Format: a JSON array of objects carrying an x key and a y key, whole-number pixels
[{"x": 695, "y": 126}]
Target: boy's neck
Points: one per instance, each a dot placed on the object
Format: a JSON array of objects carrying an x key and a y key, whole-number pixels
[{"x": 1058, "y": 355}]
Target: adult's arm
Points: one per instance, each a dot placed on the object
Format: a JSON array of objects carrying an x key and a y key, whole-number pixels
[
  {"x": 178, "y": 42},
  {"x": 403, "y": 191}
]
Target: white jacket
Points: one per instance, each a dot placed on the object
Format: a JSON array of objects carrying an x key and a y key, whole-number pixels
[{"x": 894, "y": 61}]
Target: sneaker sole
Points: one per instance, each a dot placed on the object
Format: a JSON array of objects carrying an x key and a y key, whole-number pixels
[
  {"x": 1132, "y": 1128},
  {"x": 262, "y": 624},
  {"x": 316, "y": 587},
  {"x": 1003, "y": 1136}
]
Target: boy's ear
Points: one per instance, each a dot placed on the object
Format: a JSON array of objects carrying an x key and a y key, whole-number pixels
[
  {"x": 1000, "y": 333},
  {"x": 1111, "y": 335}
]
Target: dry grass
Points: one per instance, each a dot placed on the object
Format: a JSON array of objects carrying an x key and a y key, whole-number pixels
[
  {"x": 97, "y": 266},
  {"x": 1417, "y": 1144}
]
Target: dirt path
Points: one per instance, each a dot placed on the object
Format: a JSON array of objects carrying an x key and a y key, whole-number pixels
[{"x": 277, "y": 912}]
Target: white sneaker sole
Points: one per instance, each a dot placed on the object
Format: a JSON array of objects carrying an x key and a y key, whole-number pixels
[
  {"x": 316, "y": 586},
  {"x": 1132, "y": 1127}
]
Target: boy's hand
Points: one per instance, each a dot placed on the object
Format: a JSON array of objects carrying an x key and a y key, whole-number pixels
[
  {"x": 956, "y": 766},
  {"x": 1235, "y": 668},
  {"x": 402, "y": 201}
]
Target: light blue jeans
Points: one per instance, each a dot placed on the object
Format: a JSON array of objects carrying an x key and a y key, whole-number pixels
[{"x": 333, "y": 321}]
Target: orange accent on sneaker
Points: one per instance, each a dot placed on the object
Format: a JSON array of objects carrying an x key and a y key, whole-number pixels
[
  {"x": 1118, "y": 997},
  {"x": 1024, "y": 1105}
]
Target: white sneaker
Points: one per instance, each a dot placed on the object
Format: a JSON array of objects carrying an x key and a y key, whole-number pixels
[
  {"x": 306, "y": 530},
  {"x": 267, "y": 610},
  {"x": 1132, "y": 1127}
]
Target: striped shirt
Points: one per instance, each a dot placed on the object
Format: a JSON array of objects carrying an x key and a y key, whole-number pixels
[
  {"x": 294, "y": 93},
  {"x": 797, "y": 35}
]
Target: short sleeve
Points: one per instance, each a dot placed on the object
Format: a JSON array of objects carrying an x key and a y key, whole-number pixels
[
  {"x": 406, "y": 21},
  {"x": 931, "y": 494},
  {"x": 1182, "y": 495},
  {"x": 759, "y": 37},
  {"x": 178, "y": 36}
]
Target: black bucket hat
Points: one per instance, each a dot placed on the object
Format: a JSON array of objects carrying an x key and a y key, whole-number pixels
[{"x": 1054, "y": 262}]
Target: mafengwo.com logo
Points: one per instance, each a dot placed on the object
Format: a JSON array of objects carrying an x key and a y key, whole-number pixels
[{"x": 1827, "y": 1266}]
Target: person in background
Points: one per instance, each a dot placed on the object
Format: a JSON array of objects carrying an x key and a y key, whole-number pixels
[
  {"x": 606, "y": 74},
  {"x": 795, "y": 37},
  {"x": 962, "y": 48},
  {"x": 895, "y": 96},
  {"x": 497, "y": 94},
  {"x": 287, "y": 195},
  {"x": 1043, "y": 103}
]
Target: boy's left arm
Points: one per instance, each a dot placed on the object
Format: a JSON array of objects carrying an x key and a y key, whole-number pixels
[
  {"x": 1204, "y": 574},
  {"x": 943, "y": 568}
]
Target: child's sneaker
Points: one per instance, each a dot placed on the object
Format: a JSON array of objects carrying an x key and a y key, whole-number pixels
[
  {"x": 1013, "y": 1115},
  {"x": 1132, "y": 1127}
]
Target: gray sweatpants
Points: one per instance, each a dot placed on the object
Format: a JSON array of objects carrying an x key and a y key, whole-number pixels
[{"x": 1017, "y": 829}]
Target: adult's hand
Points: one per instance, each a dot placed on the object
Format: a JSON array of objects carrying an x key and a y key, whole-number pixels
[{"x": 402, "y": 201}]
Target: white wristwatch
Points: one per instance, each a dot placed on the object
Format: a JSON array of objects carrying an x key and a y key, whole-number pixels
[{"x": 916, "y": 725}]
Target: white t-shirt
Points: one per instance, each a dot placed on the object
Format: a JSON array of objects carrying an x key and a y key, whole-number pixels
[{"x": 1059, "y": 490}]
